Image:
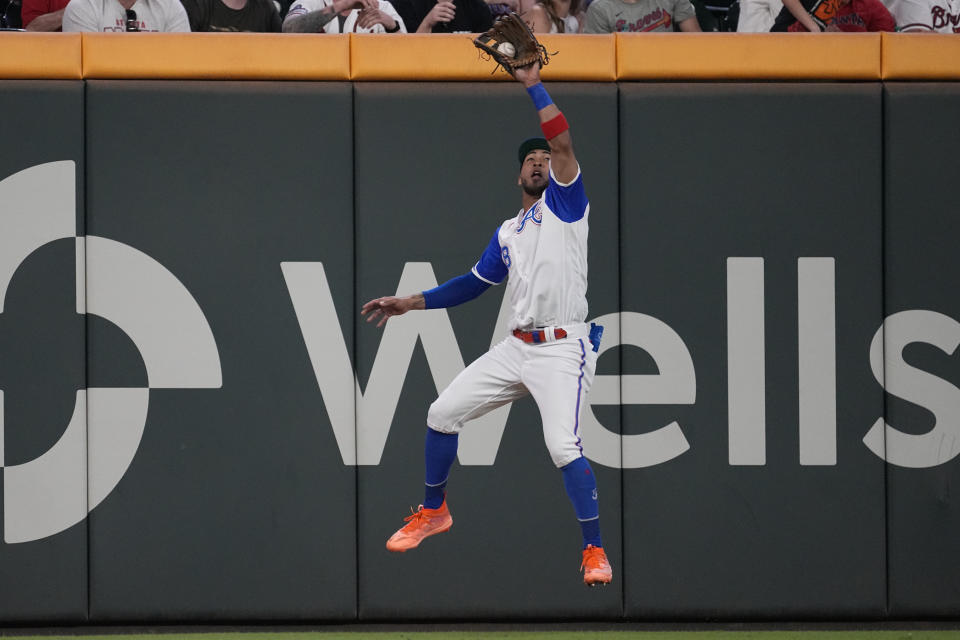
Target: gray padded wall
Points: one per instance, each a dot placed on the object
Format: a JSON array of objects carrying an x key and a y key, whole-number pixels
[
  {"x": 435, "y": 177},
  {"x": 43, "y": 571},
  {"x": 734, "y": 527},
  {"x": 238, "y": 503},
  {"x": 218, "y": 440},
  {"x": 921, "y": 301}
]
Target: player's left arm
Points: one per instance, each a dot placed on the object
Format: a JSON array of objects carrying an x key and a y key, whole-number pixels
[
  {"x": 555, "y": 129},
  {"x": 565, "y": 194}
]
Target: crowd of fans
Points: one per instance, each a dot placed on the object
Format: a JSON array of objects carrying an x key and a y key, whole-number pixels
[{"x": 473, "y": 16}]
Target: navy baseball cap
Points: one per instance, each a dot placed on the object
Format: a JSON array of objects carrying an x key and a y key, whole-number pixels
[{"x": 531, "y": 144}]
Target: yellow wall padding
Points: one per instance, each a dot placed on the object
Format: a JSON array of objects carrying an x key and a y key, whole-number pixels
[
  {"x": 453, "y": 57},
  {"x": 748, "y": 56},
  {"x": 921, "y": 56},
  {"x": 40, "y": 55},
  {"x": 225, "y": 56},
  {"x": 599, "y": 58},
  {"x": 417, "y": 56},
  {"x": 580, "y": 57}
]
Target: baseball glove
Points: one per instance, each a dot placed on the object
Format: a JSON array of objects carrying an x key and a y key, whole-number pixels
[{"x": 511, "y": 43}]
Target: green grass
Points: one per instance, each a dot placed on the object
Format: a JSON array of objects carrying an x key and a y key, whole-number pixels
[{"x": 523, "y": 635}]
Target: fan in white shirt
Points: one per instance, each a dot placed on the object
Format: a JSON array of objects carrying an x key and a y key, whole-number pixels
[
  {"x": 553, "y": 16},
  {"x": 926, "y": 16},
  {"x": 125, "y": 15},
  {"x": 343, "y": 16}
]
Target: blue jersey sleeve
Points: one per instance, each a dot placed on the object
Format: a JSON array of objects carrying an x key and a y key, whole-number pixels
[
  {"x": 567, "y": 201},
  {"x": 455, "y": 291},
  {"x": 490, "y": 268}
]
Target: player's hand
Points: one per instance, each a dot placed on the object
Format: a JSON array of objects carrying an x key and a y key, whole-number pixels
[
  {"x": 443, "y": 11},
  {"x": 832, "y": 28},
  {"x": 386, "y": 307},
  {"x": 528, "y": 76}
]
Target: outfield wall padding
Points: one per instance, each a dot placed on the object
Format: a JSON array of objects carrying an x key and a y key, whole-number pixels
[
  {"x": 753, "y": 56},
  {"x": 238, "y": 495},
  {"x": 252, "y": 441},
  {"x": 27, "y": 56},
  {"x": 920, "y": 220},
  {"x": 760, "y": 523},
  {"x": 200, "y": 56},
  {"x": 450, "y": 57},
  {"x": 43, "y": 557}
]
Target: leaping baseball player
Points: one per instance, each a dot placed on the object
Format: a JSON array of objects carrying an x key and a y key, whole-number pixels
[{"x": 552, "y": 352}]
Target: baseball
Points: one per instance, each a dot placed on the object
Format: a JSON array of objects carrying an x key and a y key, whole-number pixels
[{"x": 507, "y": 49}]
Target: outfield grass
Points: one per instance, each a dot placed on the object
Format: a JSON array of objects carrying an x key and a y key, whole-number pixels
[{"x": 522, "y": 635}]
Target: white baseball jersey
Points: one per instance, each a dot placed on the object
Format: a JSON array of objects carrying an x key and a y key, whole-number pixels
[
  {"x": 544, "y": 252},
  {"x": 941, "y": 16},
  {"x": 303, "y": 7},
  {"x": 109, "y": 15}
]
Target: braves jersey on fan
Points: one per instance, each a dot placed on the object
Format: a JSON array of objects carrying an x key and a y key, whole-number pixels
[
  {"x": 940, "y": 16},
  {"x": 109, "y": 15},
  {"x": 543, "y": 250}
]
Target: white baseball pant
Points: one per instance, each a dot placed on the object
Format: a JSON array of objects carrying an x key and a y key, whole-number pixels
[{"x": 557, "y": 374}]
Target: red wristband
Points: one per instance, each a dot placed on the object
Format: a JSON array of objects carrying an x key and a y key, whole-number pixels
[{"x": 554, "y": 126}]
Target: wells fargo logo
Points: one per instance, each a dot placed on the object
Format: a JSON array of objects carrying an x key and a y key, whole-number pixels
[{"x": 128, "y": 288}]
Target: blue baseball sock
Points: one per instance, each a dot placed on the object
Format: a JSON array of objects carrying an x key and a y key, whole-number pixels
[
  {"x": 582, "y": 488},
  {"x": 439, "y": 452}
]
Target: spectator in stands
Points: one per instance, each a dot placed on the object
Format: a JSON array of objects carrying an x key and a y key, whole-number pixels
[
  {"x": 233, "y": 15},
  {"x": 445, "y": 16},
  {"x": 503, "y": 7},
  {"x": 10, "y": 14},
  {"x": 43, "y": 15},
  {"x": 553, "y": 16},
  {"x": 125, "y": 15},
  {"x": 820, "y": 16},
  {"x": 807, "y": 15},
  {"x": 609, "y": 16},
  {"x": 343, "y": 16},
  {"x": 864, "y": 15},
  {"x": 927, "y": 16},
  {"x": 758, "y": 16}
]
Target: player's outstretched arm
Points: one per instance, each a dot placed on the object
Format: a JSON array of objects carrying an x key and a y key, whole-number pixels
[
  {"x": 451, "y": 293},
  {"x": 389, "y": 306},
  {"x": 554, "y": 125}
]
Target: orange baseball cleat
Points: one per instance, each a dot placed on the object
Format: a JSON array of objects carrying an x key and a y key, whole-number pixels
[
  {"x": 423, "y": 523},
  {"x": 596, "y": 569}
]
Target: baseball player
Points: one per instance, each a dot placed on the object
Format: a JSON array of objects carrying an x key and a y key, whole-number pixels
[{"x": 551, "y": 353}]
